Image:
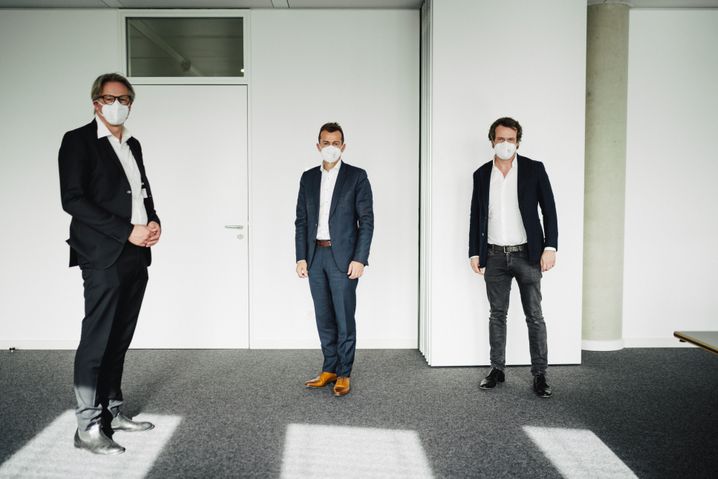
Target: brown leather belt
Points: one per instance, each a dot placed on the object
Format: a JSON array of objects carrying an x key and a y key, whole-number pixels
[{"x": 324, "y": 243}]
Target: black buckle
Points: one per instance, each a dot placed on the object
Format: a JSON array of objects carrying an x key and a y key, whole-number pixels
[{"x": 508, "y": 249}]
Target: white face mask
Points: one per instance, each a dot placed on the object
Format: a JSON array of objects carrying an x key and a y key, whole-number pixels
[
  {"x": 330, "y": 153},
  {"x": 505, "y": 150},
  {"x": 115, "y": 114}
]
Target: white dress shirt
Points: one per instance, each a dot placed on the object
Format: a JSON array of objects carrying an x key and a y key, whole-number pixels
[
  {"x": 506, "y": 228},
  {"x": 129, "y": 164},
  {"x": 329, "y": 180}
]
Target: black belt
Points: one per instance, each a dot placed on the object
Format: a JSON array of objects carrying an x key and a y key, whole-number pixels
[{"x": 507, "y": 249}]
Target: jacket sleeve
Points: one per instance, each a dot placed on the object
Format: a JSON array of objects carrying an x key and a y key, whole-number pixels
[
  {"x": 365, "y": 214},
  {"x": 300, "y": 224},
  {"x": 548, "y": 209},
  {"x": 474, "y": 218},
  {"x": 150, "y": 206},
  {"x": 74, "y": 165}
]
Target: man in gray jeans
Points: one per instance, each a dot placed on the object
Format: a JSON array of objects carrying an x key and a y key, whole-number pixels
[{"x": 506, "y": 241}]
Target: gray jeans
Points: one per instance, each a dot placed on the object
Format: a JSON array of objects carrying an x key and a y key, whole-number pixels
[{"x": 501, "y": 268}]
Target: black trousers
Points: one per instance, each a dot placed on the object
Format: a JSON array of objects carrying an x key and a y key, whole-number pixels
[
  {"x": 501, "y": 268},
  {"x": 113, "y": 298}
]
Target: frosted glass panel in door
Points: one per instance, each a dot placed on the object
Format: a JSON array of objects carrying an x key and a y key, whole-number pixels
[{"x": 194, "y": 142}]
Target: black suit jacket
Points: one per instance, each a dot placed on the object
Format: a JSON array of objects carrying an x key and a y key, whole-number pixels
[
  {"x": 351, "y": 216},
  {"x": 95, "y": 191},
  {"x": 534, "y": 190}
]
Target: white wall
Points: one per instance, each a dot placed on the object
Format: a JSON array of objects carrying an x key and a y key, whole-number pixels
[
  {"x": 356, "y": 67},
  {"x": 493, "y": 59},
  {"x": 360, "y": 68},
  {"x": 671, "y": 169},
  {"x": 49, "y": 59}
]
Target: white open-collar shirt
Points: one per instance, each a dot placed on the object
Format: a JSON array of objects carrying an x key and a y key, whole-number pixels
[
  {"x": 129, "y": 164},
  {"x": 506, "y": 227},
  {"x": 329, "y": 181}
]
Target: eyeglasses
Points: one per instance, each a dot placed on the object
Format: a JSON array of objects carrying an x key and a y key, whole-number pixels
[{"x": 110, "y": 99}]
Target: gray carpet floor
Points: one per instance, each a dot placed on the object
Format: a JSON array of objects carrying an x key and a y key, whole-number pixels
[{"x": 656, "y": 409}]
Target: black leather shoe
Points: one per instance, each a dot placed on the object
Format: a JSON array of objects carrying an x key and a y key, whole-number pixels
[
  {"x": 95, "y": 441},
  {"x": 541, "y": 388},
  {"x": 495, "y": 376},
  {"x": 123, "y": 423}
]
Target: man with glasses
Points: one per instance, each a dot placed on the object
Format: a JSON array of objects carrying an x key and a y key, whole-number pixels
[
  {"x": 506, "y": 241},
  {"x": 105, "y": 189}
]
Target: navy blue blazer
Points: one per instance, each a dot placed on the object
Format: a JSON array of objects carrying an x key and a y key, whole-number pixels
[
  {"x": 95, "y": 191},
  {"x": 534, "y": 190},
  {"x": 351, "y": 216}
]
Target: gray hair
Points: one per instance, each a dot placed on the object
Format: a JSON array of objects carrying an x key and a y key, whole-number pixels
[{"x": 99, "y": 83}]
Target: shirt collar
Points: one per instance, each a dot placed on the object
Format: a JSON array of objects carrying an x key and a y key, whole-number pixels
[
  {"x": 514, "y": 164},
  {"x": 333, "y": 170},
  {"x": 103, "y": 131}
]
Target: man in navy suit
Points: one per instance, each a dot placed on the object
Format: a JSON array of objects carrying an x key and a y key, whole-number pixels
[
  {"x": 506, "y": 241},
  {"x": 105, "y": 189},
  {"x": 333, "y": 232}
]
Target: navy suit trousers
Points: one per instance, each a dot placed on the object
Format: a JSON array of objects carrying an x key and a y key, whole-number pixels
[{"x": 334, "y": 296}]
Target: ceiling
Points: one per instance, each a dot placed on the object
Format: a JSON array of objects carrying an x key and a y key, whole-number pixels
[
  {"x": 402, "y": 4},
  {"x": 662, "y": 3}
]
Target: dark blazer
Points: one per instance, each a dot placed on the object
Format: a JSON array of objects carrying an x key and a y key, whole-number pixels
[
  {"x": 95, "y": 191},
  {"x": 351, "y": 217},
  {"x": 534, "y": 190}
]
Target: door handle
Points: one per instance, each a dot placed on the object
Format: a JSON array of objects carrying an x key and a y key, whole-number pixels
[{"x": 234, "y": 227}]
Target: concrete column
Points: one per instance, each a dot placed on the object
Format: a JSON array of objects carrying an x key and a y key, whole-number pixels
[{"x": 605, "y": 174}]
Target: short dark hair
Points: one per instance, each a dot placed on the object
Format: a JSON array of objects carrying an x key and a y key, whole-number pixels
[
  {"x": 508, "y": 123},
  {"x": 99, "y": 84},
  {"x": 330, "y": 127}
]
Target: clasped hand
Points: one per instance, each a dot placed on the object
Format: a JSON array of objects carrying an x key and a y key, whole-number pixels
[{"x": 146, "y": 236}]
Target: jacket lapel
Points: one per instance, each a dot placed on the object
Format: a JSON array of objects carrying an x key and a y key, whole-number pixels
[
  {"x": 315, "y": 187},
  {"x": 136, "y": 152},
  {"x": 110, "y": 157},
  {"x": 107, "y": 153},
  {"x": 338, "y": 187},
  {"x": 521, "y": 179}
]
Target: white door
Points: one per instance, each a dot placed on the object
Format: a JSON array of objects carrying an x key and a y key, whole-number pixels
[{"x": 194, "y": 144}]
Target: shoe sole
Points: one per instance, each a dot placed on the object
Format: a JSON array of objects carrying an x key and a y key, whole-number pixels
[
  {"x": 309, "y": 386},
  {"x": 489, "y": 388},
  {"x": 132, "y": 430},
  {"x": 113, "y": 453}
]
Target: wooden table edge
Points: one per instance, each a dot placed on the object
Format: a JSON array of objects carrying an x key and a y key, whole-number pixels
[{"x": 709, "y": 347}]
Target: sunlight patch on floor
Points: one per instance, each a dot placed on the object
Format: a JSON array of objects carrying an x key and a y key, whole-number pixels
[
  {"x": 51, "y": 453},
  {"x": 578, "y": 453},
  {"x": 316, "y": 451}
]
